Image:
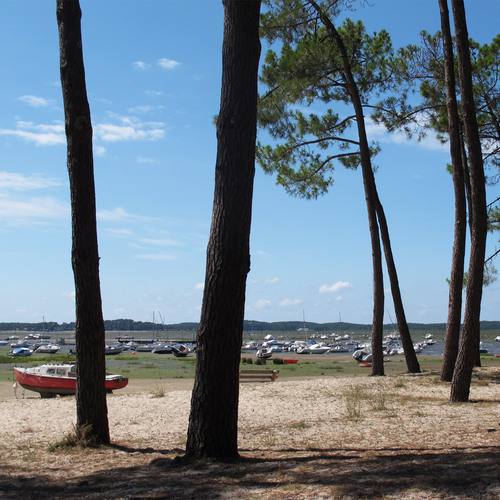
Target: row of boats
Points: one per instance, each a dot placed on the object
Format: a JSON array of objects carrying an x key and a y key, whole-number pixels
[
  {"x": 361, "y": 351},
  {"x": 175, "y": 348},
  {"x": 31, "y": 344}
]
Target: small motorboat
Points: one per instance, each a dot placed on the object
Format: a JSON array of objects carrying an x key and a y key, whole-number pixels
[
  {"x": 180, "y": 350},
  {"x": 303, "y": 349},
  {"x": 483, "y": 349},
  {"x": 318, "y": 348},
  {"x": 21, "y": 343},
  {"x": 147, "y": 347},
  {"x": 111, "y": 350},
  {"x": 339, "y": 349},
  {"x": 264, "y": 353},
  {"x": 363, "y": 355},
  {"x": 59, "y": 378},
  {"x": 48, "y": 349},
  {"x": 162, "y": 349},
  {"x": 20, "y": 351},
  {"x": 249, "y": 347}
]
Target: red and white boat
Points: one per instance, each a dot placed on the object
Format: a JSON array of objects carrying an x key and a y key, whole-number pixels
[{"x": 59, "y": 378}]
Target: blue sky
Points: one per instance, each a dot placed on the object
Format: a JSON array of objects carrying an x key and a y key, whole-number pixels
[{"x": 153, "y": 71}]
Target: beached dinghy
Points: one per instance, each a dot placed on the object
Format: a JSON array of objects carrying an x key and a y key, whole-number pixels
[
  {"x": 21, "y": 351},
  {"x": 48, "y": 349},
  {"x": 59, "y": 378},
  {"x": 180, "y": 350}
]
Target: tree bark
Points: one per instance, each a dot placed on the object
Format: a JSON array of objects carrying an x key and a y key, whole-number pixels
[
  {"x": 213, "y": 420},
  {"x": 91, "y": 406},
  {"x": 452, "y": 337},
  {"x": 460, "y": 385}
]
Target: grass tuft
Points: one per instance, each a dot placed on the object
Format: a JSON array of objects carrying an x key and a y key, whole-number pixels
[
  {"x": 300, "y": 425},
  {"x": 81, "y": 437},
  {"x": 159, "y": 392},
  {"x": 354, "y": 396}
]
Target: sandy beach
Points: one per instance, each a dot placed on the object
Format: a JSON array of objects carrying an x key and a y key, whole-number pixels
[{"x": 328, "y": 437}]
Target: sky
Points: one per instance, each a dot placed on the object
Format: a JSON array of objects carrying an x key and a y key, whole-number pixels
[{"x": 153, "y": 73}]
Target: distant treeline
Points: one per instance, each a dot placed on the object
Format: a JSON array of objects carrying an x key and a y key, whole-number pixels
[{"x": 129, "y": 325}]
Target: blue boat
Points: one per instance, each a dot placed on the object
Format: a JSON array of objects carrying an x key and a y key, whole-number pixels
[{"x": 21, "y": 351}]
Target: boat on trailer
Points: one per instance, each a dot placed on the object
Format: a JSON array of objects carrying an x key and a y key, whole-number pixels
[{"x": 53, "y": 379}]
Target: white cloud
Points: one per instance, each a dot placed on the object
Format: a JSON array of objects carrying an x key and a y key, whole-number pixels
[
  {"x": 41, "y": 135},
  {"x": 199, "y": 286},
  {"x": 113, "y": 215},
  {"x": 335, "y": 287},
  {"x": 157, "y": 256},
  {"x": 144, "y": 109},
  {"x": 272, "y": 280},
  {"x": 141, "y": 159},
  {"x": 19, "y": 182},
  {"x": 34, "y": 101},
  {"x": 379, "y": 133},
  {"x": 264, "y": 254},
  {"x": 114, "y": 133},
  {"x": 128, "y": 129},
  {"x": 99, "y": 150},
  {"x": 159, "y": 242},
  {"x": 21, "y": 210},
  {"x": 69, "y": 295},
  {"x": 289, "y": 302},
  {"x": 261, "y": 304},
  {"x": 120, "y": 232},
  {"x": 167, "y": 63},
  {"x": 33, "y": 209},
  {"x": 141, "y": 65}
]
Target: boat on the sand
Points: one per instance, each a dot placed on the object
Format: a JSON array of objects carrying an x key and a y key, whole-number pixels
[
  {"x": 180, "y": 350},
  {"x": 53, "y": 379},
  {"x": 48, "y": 349},
  {"x": 264, "y": 353},
  {"x": 20, "y": 351}
]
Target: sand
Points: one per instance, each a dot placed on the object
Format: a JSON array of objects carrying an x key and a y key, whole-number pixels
[{"x": 329, "y": 437}]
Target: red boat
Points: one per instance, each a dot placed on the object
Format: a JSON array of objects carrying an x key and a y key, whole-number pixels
[{"x": 59, "y": 378}]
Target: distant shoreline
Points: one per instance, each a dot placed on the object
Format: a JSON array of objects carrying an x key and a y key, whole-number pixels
[{"x": 250, "y": 327}]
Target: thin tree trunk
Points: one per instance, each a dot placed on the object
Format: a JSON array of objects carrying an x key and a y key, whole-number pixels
[
  {"x": 410, "y": 356},
  {"x": 460, "y": 385},
  {"x": 452, "y": 338},
  {"x": 91, "y": 404},
  {"x": 371, "y": 201},
  {"x": 213, "y": 419}
]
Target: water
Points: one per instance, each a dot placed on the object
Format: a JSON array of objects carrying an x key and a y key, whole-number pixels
[{"x": 438, "y": 348}]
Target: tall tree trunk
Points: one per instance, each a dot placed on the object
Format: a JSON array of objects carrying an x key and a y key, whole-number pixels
[
  {"x": 452, "y": 338},
  {"x": 370, "y": 197},
  {"x": 410, "y": 355},
  {"x": 468, "y": 196},
  {"x": 91, "y": 407},
  {"x": 213, "y": 420},
  {"x": 460, "y": 385}
]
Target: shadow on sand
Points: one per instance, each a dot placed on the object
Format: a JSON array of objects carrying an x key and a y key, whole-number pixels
[{"x": 286, "y": 473}]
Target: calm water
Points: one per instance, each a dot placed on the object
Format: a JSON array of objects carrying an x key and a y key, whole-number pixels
[{"x": 438, "y": 347}]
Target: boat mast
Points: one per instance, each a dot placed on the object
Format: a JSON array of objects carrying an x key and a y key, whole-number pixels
[
  {"x": 162, "y": 325},
  {"x": 304, "y": 324}
]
